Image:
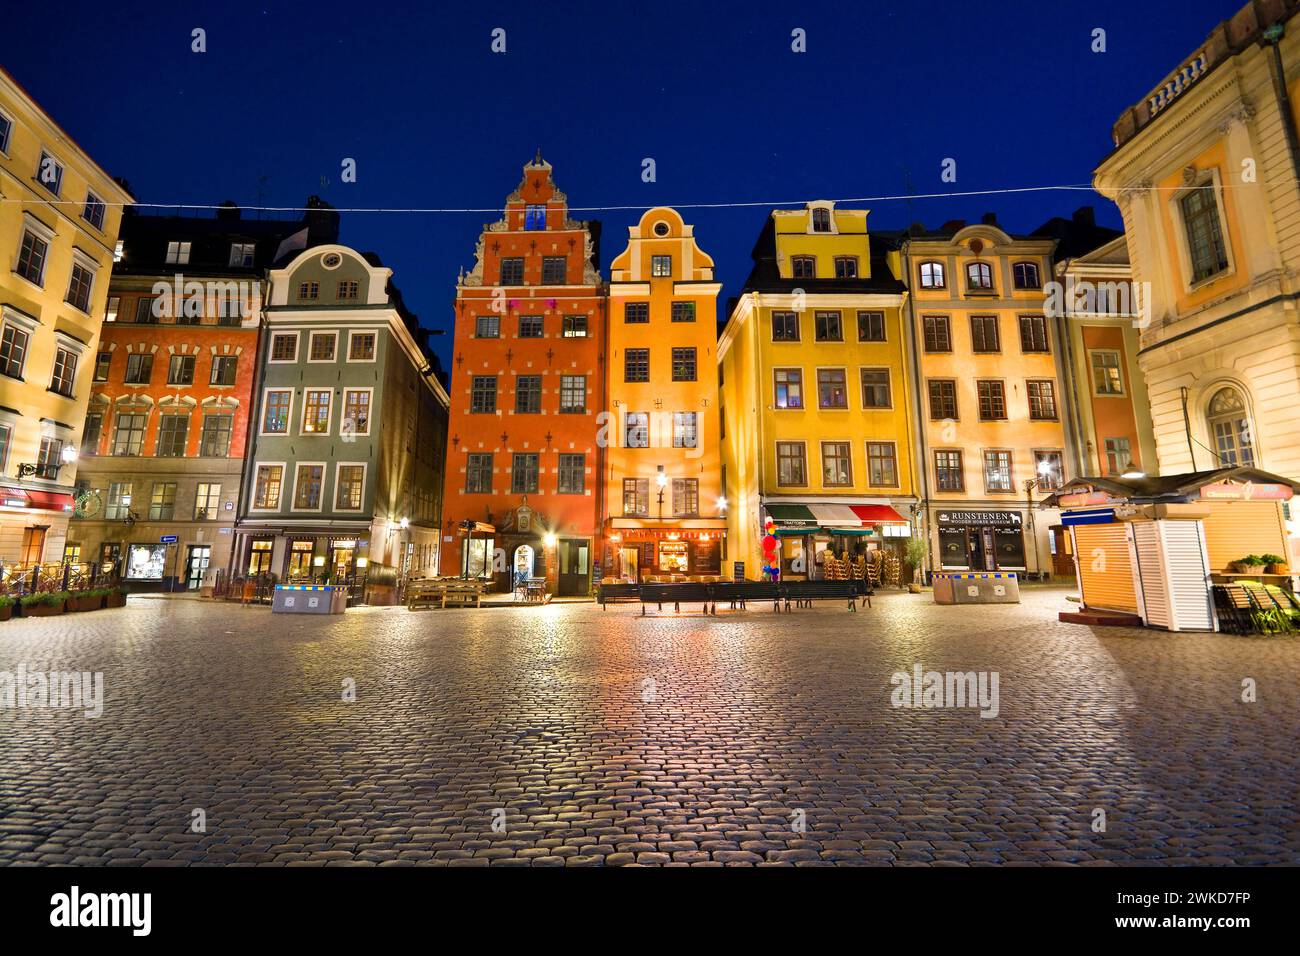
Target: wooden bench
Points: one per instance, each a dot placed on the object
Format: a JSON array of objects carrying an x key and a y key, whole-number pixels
[
  {"x": 690, "y": 592},
  {"x": 615, "y": 593},
  {"x": 803, "y": 593},
  {"x": 739, "y": 593},
  {"x": 444, "y": 593}
]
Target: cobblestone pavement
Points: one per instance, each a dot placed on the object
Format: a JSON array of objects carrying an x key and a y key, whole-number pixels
[{"x": 593, "y": 737}]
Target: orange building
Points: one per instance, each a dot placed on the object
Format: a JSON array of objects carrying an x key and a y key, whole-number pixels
[
  {"x": 663, "y": 481},
  {"x": 527, "y": 386}
]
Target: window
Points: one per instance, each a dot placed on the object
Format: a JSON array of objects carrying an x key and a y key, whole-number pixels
[
  {"x": 90, "y": 433},
  {"x": 837, "y": 465},
  {"x": 685, "y": 430},
  {"x": 1025, "y": 275},
  {"x": 323, "y": 346},
  {"x": 523, "y": 474},
  {"x": 214, "y": 439},
  {"x": 803, "y": 267},
  {"x": 478, "y": 474},
  {"x": 1033, "y": 333},
  {"x": 316, "y": 411},
  {"x": 146, "y": 310},
  {"x": 180, "y": 370},
  {"x": 118, "y": 505},
  {"x": 13, "y": 350},
  {"x": 307, "y": 487},
  {"x": 361, "y": 347},
  {"x": 49, "y": 458},
  {"x": 31, "y": 258},
  {"x": 1230, "y": 428},
  {"x": 573, "y": 470},
  {"x": 308, "y": 291},
  {"x": 636, "y": 430},
  {"x": 1048, "y": 467},
  {"x": 162, "y": 502},
  {"x": 785, "y": 327},
  {"x": 241, "y": 254},
  {"x": 530, "y": 326},
  {"x": 483, "y": 394},
  {"x": 979, "y": 276},
  {"x": 207, "y": 501},
  {"x": 882, "y": 464},
  {"x": 828, "y": 327},
  {"x": 178, "y": 253},
  {"x": 832, "y": 388},
  {"x": 512, "y": 271},
  {"x": 173, "y": 430},
  {"x": 534, "y": 217},
  {"x": 636, "y": 497},
  {"x": 1118, "y": 455},
  {"x": 349, "y": 487},
  {"x": 224, "y": 369},
  {"x": 356, "y": 412},
  {"x": 103, "y": 362},
  {"x": 846, "y": 267},
  {"x": 111, "y": 309},
  {"x": 230, "y": 310},
  {"x": 789, "y": 387},
  {"x": 948, "y": 471},
  {"x": 636, "y": 365},
  {"x": 139, "y": 368},
  {"x": 791, "y": 464},
  {"x": 684, "y": 365},
  {"x": 185, "y": 318},
  {"x": 275, "y": 412},
  {"x": 284, "y": 347},
  {"x": 937, "y": 332},
  {"x": 528, "y": 395},
  {"x": 661, "y": 266},
  {"x": 875, "y": 388},
  {"x": 348, "y": 289},
  {"x": 50, "y": 173},
  {"x": 932, "y": 276},
  {"x": 266, "y": 489},
  {"x": 6, "y": 129},
  {"x": 573, "y": 394},
  {"x": 1204, "y": 233},
  {"x": 575, "y": 326},
  {"x": 821, "y": 219},
  {"x": 992, "y": 401},
  {"x": 555, "y": 270},
  {"x": 997, "y": 470},
  {"x": 79, "y": 286},
  {"x": 636, "y": 312},
  {"x": 683, "y": 311},
  {"x": 65, "y": 372},
  {"x": 686, "y": 496},
  {"x": 128, "y": 432},
  {"x": 1042, "y": 400},
  {"x": 1106, "y": 376},
  {"x": 871, "y": 326},
  {"x": 984, "y": 333},
  {"x": 943, "y": 399}
]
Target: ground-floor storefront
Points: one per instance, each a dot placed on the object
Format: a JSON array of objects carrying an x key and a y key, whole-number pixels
[
  {"x": 154, "y": 555},
  {"x": 813, "y": 533},
  {"x": 994, "y": 539},
  {"x": 638, "y": 550},
  {"x": 33, "y": 525}
]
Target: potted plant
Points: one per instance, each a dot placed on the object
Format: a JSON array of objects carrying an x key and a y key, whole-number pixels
[
  {"x": 1274, "y": 563},
  {"x": 1250, "y": 564},
  {"x": 916, "y": 551},
  {"x": 116, "y": 597},
  {"x": 44, "y": 603},
  {"x": 6, "y": 607},
  {"x": 91, "y": 600}
]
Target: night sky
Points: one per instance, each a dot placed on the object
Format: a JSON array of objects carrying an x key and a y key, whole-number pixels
[{"x": 710, "y": 91}]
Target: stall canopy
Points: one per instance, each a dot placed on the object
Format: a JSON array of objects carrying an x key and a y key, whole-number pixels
[
  {"x": 835, "y": 518},
  {"x": 1224, "y": 484}
]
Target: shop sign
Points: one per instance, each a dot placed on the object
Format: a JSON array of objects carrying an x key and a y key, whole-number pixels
[
  {"x": 1083, "y": 499},
  {"x": 981, "y": 518},
  {"x": 1249, "y": 491}
]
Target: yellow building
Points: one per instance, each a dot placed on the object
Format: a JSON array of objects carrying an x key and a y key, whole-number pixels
[
  {"x": 990, "y": 369},
  {"x": 665, "y": 514},
  {"x": 818, "y": 427},
  {"x": 59, "y": 216}
]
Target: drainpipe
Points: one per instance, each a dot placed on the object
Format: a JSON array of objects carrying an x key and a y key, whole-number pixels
[
  {"x": 923, "y": 463},
  {"x": 1273, "y": 37},
  {"x": 250, "y": 441},
  {"x": 1187, "y": 426},
  {"x": 1071, "y": 372}
]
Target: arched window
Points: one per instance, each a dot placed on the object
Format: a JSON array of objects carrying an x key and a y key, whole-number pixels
[
  {"x": 979, "y": 275},
  {"x": 1230, "y": 428},
  {"x": 1026, "y": 275},
  {"x": 821, "y": 219},
  {"x": 932, "y": 275}
]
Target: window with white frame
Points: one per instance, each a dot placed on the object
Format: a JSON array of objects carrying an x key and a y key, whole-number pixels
[{"x": 178, "y": 253}]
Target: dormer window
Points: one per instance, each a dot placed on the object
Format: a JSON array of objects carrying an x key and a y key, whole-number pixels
[
  {"x": 821, "y": 219},
  {"x": 178, "y": 253},
  {"x": 979, "y": 277},
  {"x": 241, "y": 254},
  {"x": 534, "y": 217},
  {"x": 803, "y": 267}
]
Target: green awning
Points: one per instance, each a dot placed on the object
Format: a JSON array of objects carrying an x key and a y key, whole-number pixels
[{"x": 791, "y": 515}]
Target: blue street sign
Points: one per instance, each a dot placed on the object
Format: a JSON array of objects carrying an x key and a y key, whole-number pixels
[{"x": 168, "y": 539}]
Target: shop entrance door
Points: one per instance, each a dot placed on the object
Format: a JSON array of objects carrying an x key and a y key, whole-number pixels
[
  {"x": 629, "y": 561},
  {"x": 575, "y": 567},
  {"x": 196, "y": 565},
  {"x": 981, "y": 550}
]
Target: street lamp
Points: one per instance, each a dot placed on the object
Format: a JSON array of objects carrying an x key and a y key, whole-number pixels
[
  {"x": 1132, "y": 472},
  {"x": 1044, "y": 470},
  {"x": 662, "y": 480}
]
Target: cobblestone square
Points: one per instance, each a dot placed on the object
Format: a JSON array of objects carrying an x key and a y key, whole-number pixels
[{"x": 568, "y": 735}]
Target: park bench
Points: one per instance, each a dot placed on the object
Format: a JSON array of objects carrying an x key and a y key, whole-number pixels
[
  {"x": 739, "y": 593},
  {"x": 615, "y": 593},
  {"x": 690, "y": 592},
  {"x": 803, "y": 593}
]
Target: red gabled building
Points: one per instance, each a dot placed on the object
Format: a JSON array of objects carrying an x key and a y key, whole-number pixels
[{"x": 527, "y": 390}]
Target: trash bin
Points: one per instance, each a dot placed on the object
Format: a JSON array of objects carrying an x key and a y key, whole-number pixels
[
  {"x": 309, "y": 599},
  {"x": 992, "y": 587}
]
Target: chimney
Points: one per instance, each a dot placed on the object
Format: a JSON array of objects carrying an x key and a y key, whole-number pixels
[
  {"x": 228, "y": 212},
  {"x": 322, "y": 222},
  {"x": 989, "y": 219},
  {"x": 916, "y": 229},
  {"x": 953, "y": 225},
  {"x": 1085, "y": 216}
]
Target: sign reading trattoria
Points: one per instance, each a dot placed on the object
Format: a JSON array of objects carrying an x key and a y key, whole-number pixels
[{"x": 980, "y": 518}]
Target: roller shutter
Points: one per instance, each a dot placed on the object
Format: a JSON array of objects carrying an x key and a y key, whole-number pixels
[
  {"x": 1105, "y": 567},
  {"x": 1236, "y": 529}
]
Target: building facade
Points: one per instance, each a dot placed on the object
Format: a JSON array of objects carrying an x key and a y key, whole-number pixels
[
  {"x": 58, "y": 228},
  {"x": 989, "y": 370},
  {"x": 665, "y": 512},
  {"x": 1205, "y": 171},
  {"x": 816, "y": 396},
  {"x": 349, "y": 437},
  {"x": 172, "y": 392},
  {"x": 522, "y": 495}
]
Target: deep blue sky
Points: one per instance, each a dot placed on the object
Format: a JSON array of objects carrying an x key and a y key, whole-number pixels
[{"x": 711, "y": 91}]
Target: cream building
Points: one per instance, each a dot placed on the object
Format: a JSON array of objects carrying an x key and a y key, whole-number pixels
[{"x": 59, "y": 217}]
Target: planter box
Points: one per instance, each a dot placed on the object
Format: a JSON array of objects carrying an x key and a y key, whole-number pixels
[
  {"x": 6, "y": 612},
  {"x": 85, "y": 603},
  {"x": 116, "y": 599},
  {"x": 42, "y": 610}
]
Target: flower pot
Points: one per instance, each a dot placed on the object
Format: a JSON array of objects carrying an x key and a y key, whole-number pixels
[
  {"x": 85, "y": 602},
  {"x": 116, "y": 599},
  {"x": 42, "y": 610},
  {"x": 6, "y": 612},
  {"x": 1278, "y": 569}
]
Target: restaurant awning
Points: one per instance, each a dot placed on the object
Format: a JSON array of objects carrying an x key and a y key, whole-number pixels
[
  {"x": 878, "y": 514},
  {"x": 36, "y": 500},
  {"x": 838, "y": 518},
  {"x": 832, "y": 516},
  {"x": 791, "y": 515}
]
